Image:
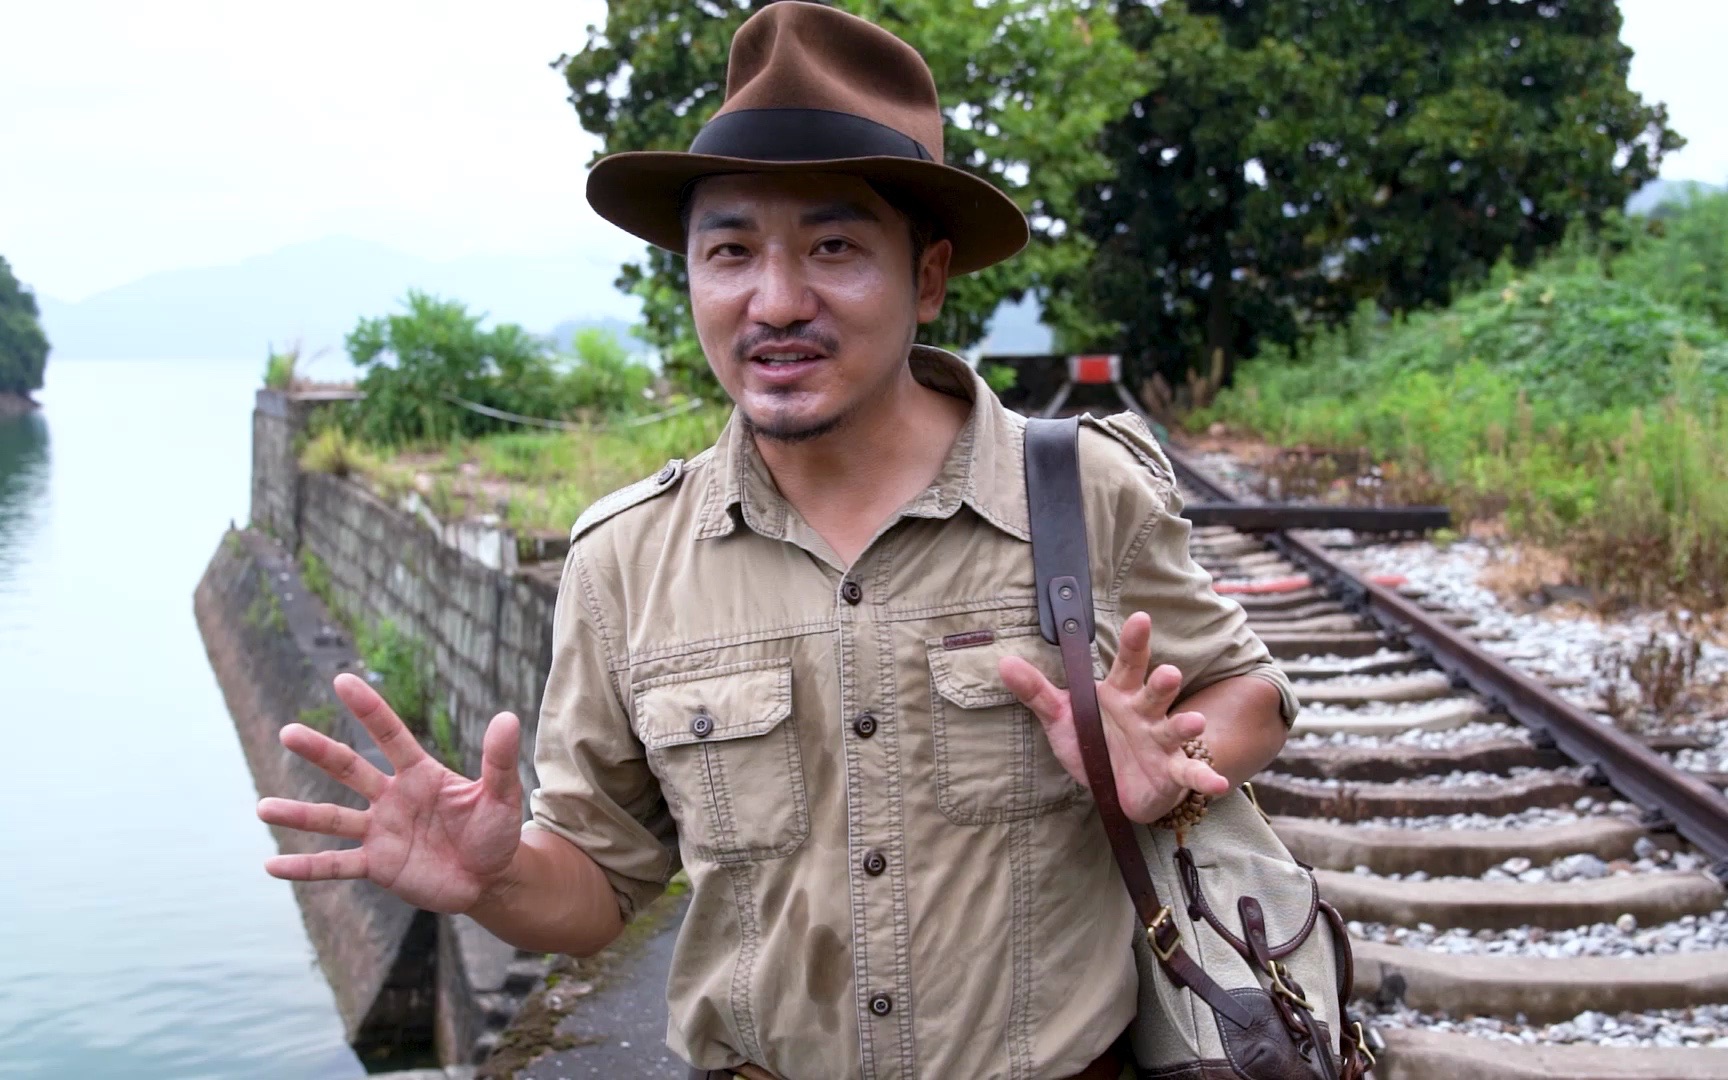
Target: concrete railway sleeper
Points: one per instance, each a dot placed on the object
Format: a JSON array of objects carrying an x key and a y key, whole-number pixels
[{"x": 1533, "y": 893}]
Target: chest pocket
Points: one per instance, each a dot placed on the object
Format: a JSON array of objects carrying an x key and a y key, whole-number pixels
[
  {"x": 724, "y": 745},
  {"x": 993, "y": 761}
]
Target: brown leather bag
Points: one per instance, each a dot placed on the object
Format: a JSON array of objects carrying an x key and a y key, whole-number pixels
[{"x": 1248, "y": 974}]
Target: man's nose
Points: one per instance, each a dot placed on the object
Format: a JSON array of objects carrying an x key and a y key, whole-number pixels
[{"x": 783, "y": 295}]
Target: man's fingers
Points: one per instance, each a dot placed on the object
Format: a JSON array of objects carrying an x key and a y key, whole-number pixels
[
  {"x": 1035, "y": 691},
  {"x": 1198, "y": 776},
  {"x": 326, "y": 818},
  {"x": 1159, "y": 692},
  {"x": 1133, "y": 653},
  {"x": 498, "y": 750},
  {"x": 338, "y": 760},
  {"x": 379, "y": 720},
  {"x": 347, "y": 863},
  {"x": 1184, "y": 726}
]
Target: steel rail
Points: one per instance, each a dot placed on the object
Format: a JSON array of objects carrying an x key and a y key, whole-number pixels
[{"x": 1694, "y": 809}]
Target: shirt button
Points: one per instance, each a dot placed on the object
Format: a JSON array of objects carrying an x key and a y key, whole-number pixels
[
  {"x": 851, "y": 592},
  {"x": 865, "y": 725},
  {"x": 702, "y": 725},
  {"x": 881, "y": 1004},
  {"x": 875, "y": 862}
]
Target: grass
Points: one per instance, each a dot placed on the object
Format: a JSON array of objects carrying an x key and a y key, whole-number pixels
[
  {"x": 265, "y": 611},
  {"x": 1572, "y": 410},
  {"x": 536, "y": 482},
  {"x": 332, "y": 451},
  {"x": 402, "y": 672},
  {"x": 320, "y": 718},
  {"x": 279, "y": 368}
]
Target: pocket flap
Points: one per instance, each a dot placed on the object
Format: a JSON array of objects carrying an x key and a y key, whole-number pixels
[
  {"x": 737, "y": 701},
  {"x": 969, "y": 676}
]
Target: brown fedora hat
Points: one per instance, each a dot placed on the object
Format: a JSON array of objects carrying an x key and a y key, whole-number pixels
[{"x": 812, "y": 89}]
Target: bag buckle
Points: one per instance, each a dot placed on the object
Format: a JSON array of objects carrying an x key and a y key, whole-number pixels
[
  {"x": 1160, "y": 920},
  {"x": 1248, "y": 790},
  {"x": 1286, "y": 990},
  {"x": 1361, "y": 1041}
]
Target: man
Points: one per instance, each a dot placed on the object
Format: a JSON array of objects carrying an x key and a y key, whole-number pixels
[{"x": 805, "y": 664}]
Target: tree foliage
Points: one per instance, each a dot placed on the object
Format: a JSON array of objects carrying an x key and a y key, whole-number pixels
[
  {"x": 23, "y": 345},
  {"x": 416, "y": 361},
  {"x": 1026, "y": 86},
  {"x": 1295, "y": 157}
]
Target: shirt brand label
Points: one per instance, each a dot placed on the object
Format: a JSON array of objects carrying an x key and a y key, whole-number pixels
[{"x": 968, "y": 639}]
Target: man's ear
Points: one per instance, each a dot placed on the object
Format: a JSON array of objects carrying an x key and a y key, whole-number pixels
[{"x": 933, "y": 279}]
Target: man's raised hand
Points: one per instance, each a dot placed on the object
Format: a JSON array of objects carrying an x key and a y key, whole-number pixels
[
  {"x": 431, "y": 836},
  {"x": 1145, "y": 739}
]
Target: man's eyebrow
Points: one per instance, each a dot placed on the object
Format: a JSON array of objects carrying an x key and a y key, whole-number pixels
[
  {"x": 717, "y": 220},
  {"x": 838, "y": 214}
]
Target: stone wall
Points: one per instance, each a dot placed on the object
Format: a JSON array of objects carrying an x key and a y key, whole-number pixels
[{"x": 403, "y": 979}]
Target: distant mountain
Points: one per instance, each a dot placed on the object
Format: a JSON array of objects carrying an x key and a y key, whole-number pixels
[
  {"x": 314, "y": 293},
  {"x": 1657, "y": 192}
]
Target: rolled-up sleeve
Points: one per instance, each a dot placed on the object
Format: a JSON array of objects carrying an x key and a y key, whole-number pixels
[
  {"x": 1203, "y": 634},
  {"x": 595, "y": 787}
]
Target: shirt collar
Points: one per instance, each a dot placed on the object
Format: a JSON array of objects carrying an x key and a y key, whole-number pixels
[{"x": 984, "y": 469}]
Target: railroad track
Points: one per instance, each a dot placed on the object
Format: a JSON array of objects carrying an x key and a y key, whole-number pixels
[{"x": 1532, "y": 892}]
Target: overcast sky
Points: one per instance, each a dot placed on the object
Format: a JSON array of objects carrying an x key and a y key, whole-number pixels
[{"x": 142, "y": 137}]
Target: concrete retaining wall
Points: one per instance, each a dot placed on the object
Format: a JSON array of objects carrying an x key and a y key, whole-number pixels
[{"x": 405, "y": 981}]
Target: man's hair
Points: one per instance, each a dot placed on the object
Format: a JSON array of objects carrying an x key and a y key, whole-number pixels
[{"x": 918, "y": 220}]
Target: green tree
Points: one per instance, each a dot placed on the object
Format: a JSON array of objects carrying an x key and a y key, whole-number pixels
[
  {"x": 416, "y": 361},
  {"x": 1026, "y": 86},
  {"x": 1294, "y": 157},
  {"x": 23, "y": 345}
]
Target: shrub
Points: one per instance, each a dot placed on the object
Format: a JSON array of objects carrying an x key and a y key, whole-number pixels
[
  {"x": 1683, "y": 257},
  {"x": 415, "y": 362},
  {"x": 602, "y": 377},
  {"x": 332, "y": 451},
  {"x": 402, "y": 672},
  {"x": 279, "y": 368},
  {"x": 1582, "y": 408}
]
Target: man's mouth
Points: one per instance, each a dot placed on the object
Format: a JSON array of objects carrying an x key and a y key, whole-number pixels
[{"x": 777, "y": 359}]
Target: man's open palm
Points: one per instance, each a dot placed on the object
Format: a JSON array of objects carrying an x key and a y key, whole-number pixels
[
  {"x": 431, "y": 836},
  {"x": 1144, "y": 737}
]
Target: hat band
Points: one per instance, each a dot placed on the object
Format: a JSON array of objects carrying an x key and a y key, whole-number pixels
[{"x": 802, "y": 135}]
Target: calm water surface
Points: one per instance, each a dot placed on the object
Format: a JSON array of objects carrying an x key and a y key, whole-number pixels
[{"x": 139, "y": 936}]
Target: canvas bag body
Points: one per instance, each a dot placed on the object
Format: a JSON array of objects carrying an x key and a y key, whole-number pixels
[
  {"x": 1243, "y": 969},
  {"x": 1234, "y": 853}
]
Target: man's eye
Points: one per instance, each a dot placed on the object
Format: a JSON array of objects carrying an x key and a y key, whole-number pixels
[
  {"x": 834, "y": 245},
  {"x": 728, "y": 251}
]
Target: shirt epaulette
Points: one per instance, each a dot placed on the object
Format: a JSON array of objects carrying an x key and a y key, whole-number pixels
[
  {"x": 1131, "y": 431},
  {"x": 608, "y": 506}
]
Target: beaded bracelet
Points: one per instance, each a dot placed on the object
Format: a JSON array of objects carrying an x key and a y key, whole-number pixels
[{"x": 1192, "y": 808}]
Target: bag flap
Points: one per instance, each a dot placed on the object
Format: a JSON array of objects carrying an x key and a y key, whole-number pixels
[{"x": 738, "y": 700}]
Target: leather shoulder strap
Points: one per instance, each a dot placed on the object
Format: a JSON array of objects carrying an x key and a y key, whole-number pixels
[{"x": 1062, "y": 565}]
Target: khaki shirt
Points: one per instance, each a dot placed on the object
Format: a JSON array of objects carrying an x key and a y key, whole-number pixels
[{"x": 891, "y": 874}]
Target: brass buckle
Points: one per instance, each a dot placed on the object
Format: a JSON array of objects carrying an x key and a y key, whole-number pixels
[
  {"x": 1159, "y": 920},
  {"x": 1282, "y": 988},
  {"x": 1361, "y": 1041},
  {"x": 1248, "y": 790}
]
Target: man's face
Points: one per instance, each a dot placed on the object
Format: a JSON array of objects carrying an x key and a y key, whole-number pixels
[{"x": 804, "y": 296}]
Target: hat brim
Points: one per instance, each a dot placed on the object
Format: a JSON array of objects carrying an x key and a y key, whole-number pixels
[{"x": 638, "y": 191}]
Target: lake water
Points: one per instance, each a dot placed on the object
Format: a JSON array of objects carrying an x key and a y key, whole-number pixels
[{"x": 139, "y": 935}]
